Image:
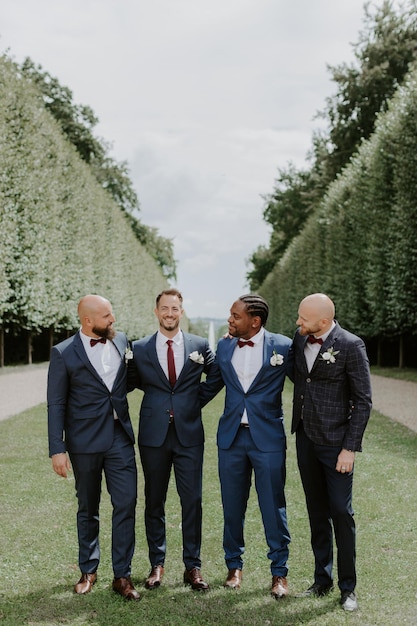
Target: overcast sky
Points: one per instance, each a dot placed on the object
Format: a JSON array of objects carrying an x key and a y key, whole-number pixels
[{"x": 205, "y": 100}]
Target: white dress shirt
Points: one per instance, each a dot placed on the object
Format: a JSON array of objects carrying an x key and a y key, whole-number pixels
[
  {"x": 247, "y": 362},
  {"x": 177, "y": 348}
]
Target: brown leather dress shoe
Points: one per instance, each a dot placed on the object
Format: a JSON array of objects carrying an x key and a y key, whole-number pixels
[
  {"x": 234, "y": 579},
  {"x": 85, "y": 584},
  {"x": 125, "y": 588},
  {"x": 193, "y": 577},
  {"x": 155, "y": 577},
  {"x": 279, "y": 587}
]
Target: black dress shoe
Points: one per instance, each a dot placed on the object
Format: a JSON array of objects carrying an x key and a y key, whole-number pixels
[
  {"x": 193, "y": 577},
  {"x": 155, "y": 577},
  {"x": 85, "y": 584},
  {"x": 317, "y": 590}
]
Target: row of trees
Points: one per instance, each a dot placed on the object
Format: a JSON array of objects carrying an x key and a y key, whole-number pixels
[
  {"x": 383, "y": 55},
  {"x": 360, "y": 246},
  {"x": 62, "y": 233},
  {"x": 349, "y": 198}
]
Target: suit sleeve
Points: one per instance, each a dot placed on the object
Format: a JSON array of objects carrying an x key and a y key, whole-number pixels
[
  {"x": 290, "y": 363},
  {"x": 213, "y": 383},
  {"x": 133, "y": 380},
  {"x": 57, "y": 391},
  {"x": 359, "y": 377}
]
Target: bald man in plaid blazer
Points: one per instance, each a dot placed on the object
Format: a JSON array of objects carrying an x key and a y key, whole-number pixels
[{"x": 332, "y": 404}]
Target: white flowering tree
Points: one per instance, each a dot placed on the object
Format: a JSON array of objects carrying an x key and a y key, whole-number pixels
[{"x": 62, "y": 234}]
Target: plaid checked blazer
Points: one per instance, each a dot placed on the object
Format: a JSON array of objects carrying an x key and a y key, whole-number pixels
[{"x": 334, "y": 398}]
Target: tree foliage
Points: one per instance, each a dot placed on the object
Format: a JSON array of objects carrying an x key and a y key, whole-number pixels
[
  {"x": 360, "y": 245},
  {"x": 386, "y": 48},
  {"x": 78, "y": 123},
  {"x": 63, "y": 235},
  {"x": 383, "y": 54}
]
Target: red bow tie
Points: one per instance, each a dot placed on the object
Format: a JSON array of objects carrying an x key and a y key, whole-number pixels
[
  {"x": 241, "y": 343},
  {"x": 94, "y": 342},
  {"x": 313, "y": 339}
]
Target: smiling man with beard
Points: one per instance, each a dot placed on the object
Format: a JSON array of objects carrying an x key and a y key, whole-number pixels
[{"x": 168, "y": 366}]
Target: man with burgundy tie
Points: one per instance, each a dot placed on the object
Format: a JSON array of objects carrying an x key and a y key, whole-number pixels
[
  {"x": 332, "y": 403},
  {"x": 88, "y": 419},
  {"x": 168, "y": 366},
  {"x": 252, "y": 363}
]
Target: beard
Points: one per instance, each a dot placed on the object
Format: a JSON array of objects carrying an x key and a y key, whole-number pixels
[
  {"x": 106, "y": 333},
  {"x": 170, "y": 325}
]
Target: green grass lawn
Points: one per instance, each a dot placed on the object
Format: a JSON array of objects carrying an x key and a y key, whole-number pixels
[{"x": 38, "y": 543}]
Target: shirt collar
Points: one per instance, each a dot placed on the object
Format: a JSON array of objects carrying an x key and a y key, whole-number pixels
[
  {"x": 325, "y": 335},
  {"x": 161, "y": 338},
  {"x": 258, "y": 337}
]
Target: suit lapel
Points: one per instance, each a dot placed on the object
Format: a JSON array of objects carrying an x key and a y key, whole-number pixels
[
  {"x": 267, "y": 353},
  {"x": 327, "y": 343},
  {"x": 189, "y": 346},
  {"x": 153, "y": 359},
  {"x": 119, "y": 343},
  {"x": 80, "y": 351},
  {"x": 229, "y": 347}
]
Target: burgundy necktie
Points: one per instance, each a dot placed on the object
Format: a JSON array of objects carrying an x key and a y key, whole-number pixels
[
  {"x": 94, "y": 342},
  {"x": 313, "y": 339},
  {"x": 171, "y": 363},
  {"x": 241, "y": 343}
]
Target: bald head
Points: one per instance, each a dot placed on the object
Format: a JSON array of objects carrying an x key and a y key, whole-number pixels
[
  {"x": 315, "y": 314},
  {"x": 96, "y": 316}
]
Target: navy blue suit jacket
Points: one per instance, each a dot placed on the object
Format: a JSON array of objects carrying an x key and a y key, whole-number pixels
[
  {"x": 80, "y": 406},
  {"x": 334, "y": 399},
  {"x": 159, "y": 400},
  {"x": 262, "y": 400}
]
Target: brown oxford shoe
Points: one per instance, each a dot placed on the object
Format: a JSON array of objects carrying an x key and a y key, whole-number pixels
[
  {"x": 125, "y": 588},
  {"x": 193, "y": 577},
  {"x": 234, "y": 579},
  {"x": 155, "y": 577},
  {"x": 85, "y": 584},
  {"x": 279, "y": 587}
]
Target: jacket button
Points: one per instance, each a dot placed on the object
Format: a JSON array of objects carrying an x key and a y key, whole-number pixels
[{"x": 308, "y": 380}]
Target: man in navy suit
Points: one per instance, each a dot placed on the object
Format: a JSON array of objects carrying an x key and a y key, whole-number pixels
[
  {"x": 252, "y": 364},
  {"x": 88, "y": 418},
  {"x": 168, "y": 366},
  {"x": 332, "y": 403}
]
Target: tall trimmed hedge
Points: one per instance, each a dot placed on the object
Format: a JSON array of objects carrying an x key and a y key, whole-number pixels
[
  {"x": 62, "y": 235},
  {"x": 360, "y": 247}
]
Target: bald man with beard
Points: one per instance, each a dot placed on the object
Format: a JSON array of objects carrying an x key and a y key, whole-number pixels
[
  {"x": 89, "y": 428},
  {"x": 332, "y": 404}
]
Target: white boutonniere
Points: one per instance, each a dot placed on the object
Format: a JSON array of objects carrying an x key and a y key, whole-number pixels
[
  {"x": 197, "y": 357},
  {"x": 276, "y": 359},
  {"x": 330, "y": 355},
  {"x": 128, "y": 354}
]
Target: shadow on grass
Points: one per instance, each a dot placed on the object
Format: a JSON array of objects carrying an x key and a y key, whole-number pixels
[{"x": 175, "y": 605}]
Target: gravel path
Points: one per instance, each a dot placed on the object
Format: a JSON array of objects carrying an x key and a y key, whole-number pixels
[
  {"x": 396, "y": 399},
  {"x": 24, "y": 387}
]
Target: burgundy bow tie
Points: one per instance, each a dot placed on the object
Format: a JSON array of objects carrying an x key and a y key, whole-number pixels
[
  {"x": 241, "y": 343},
  {"x": 94, "y": 342},
  {"x": 313, "y": 339}
]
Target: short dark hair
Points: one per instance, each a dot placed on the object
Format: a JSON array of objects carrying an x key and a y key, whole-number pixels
[
  {"x": 256, "y": 305},
  {"x": 169, "y": 292}
]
